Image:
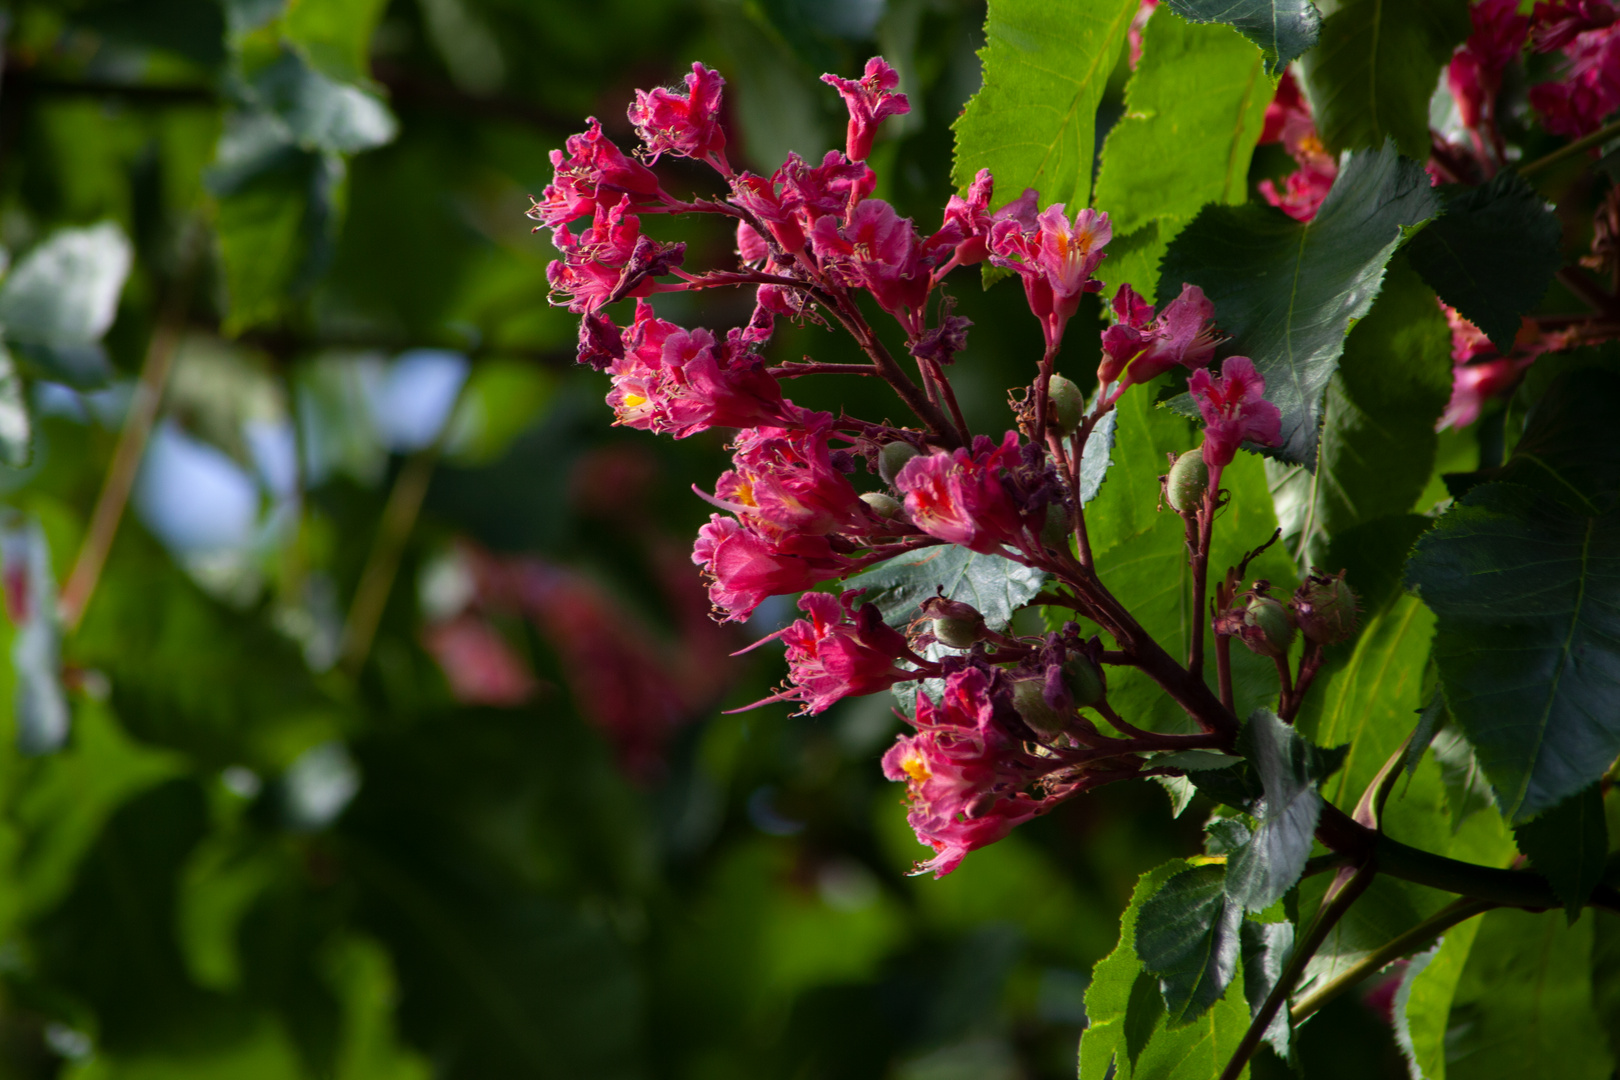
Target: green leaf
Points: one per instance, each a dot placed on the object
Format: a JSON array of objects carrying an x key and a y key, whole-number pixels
[
  {"x": 1193, "y": 110},
  {"x": 1373, "y": 556},
  {"x": 1423, "y": 1002},
  {"x": 1119, "y": 1013},
  {"x": 1525, "y": 1002},
  {"x": 1567, "y": 845},
  {"x": 1492, "y": 254},
  {"x": 1375, "y": 69},
  {"x": 336, "y": 34},
  {"x": 1284, "y": 29},
  {"x": 1033, "y": 123},
  {"x": 1098, "y": 457},
  {"x": 1606, "y": 976},
  {"x": 1266, "y": 948},
  {"x": 319, "y": 112},
  {"x": 1430, "y": 721},
  {"x": 1188, "y": 936},
  {"x": 60, "y": 299},
  {"x": 996, "y": 586},
  {"x": 16, "y": 425},
  {"x": 1287, "y": 292},
  {"x": 1527, "y": 596},
  {"x": 1260, "y": 872},
  {"x": 1467, "y": 790}
]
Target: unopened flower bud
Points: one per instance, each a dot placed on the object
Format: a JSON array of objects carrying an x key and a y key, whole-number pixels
[
  {"x": 1269, "y": 627},
  {"x": 958, "y": 633},
  {"x": 882, "y": 505},
  {"x": 1189, "y": 479},
  {"x": 1055, "y": 530},
  {"x": 1083, "y": 679},
  {"x": 892, "y": 458},
  {"x": 1029, "y": 698},
  {"x": 1326, "y": 609},
  {"x": 1068, "y": 404}
]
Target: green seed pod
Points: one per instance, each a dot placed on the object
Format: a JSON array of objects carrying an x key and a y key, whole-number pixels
[
  {"x": 1030, "y": 701},
  {"x": 1268, "y": 626},
  {"x": 1189, "y": 479},
  {"x": 1326, "y": 609},
  {"x": 892, "y": 458},
  {"x": 1084, "y": 680},
  {"x": 958, "y": 633},
  {"x": 882, "y": 505},
  {"x": 1068, "y": 404},
  {"x": 1055, "y": 530}
]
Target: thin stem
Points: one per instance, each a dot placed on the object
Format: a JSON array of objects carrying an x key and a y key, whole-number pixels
[
  {"x": 948, "y": 392},
  {"x": 850, "y": 316},
  {"x": 1200, "y": 568},
  {"x": 1345, "y": 890},
  {"x": 1409, "y": 942},
  {"x": 1043, "y": 390},
  {"x": 1223, "y": 670},
  {"x": 1077, "y": 454},
  {"x": 793, "y": 371},
  {"x": 132, "y": 439},
  {"x": 1601, "y": 135},
  {"x": 1285, "y": 679},
  {"x": 377, "y": 579}
]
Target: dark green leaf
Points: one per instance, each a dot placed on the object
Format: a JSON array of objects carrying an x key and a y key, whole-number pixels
[
  {"x": 1188, "y": 936},
  {"x": 1606, "y": 976},
  {"x": 1142, "y": 1015},
  {"x": 1430, "y": 721},
  {"x": 1492, "y": 254},
  {"x": 1287, "y": 292},
  {"x": 83, "y": 367},
  {"x": 1266, "y": 948},
  {"x": 1284, "y": 29},
  {"x": 1525, "y": 1001},
  {"x": 996, "y": 586},
  {"x": 1373, "y": 556},
  {"x": 1033, "y": 123},
  {"x": 1259, "y": 873},
  {"x": 1567, "y": 845},
  {"x": 65, "y": 291},
  {"x": 1193, "y": 110},
  {"x": 1467, "y": 790},
  {"x": 1565, "y": 451},
  {"x": 1528, "y": 641},
  {"x": 1375, "y": 69},
  {"x": 320, "y": 113},
  {"x": 1225, "y": 835}
]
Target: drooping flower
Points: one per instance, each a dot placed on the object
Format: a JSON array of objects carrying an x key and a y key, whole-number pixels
[
  {"x": 682, "y": 382},
  {"x": 878, "y": 250},
  {"x": 1183, "y": 333},
  {"x": 964, "y": 775},
  {"x": 1055, "y": 260},
  {"x": 1235, "y": 410},
  {"x": 839, "y": 651},
  {"x": 783, "y": 482},
  {"x": 686, "y": 125},
  {"x": 792, "y": 199},
  {"x": 958, "y": 496},
  {"x": 743, "y": 567},
  {"x": 965, "y": 230},
  {"x": 593, "y": 173},
  {"x": 870, "y": 99}
]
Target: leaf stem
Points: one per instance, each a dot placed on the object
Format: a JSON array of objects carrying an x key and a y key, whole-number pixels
[
  {"x": 377, "y": 578},
  {"x": 1460, "y": 911},
  {"x": 1585, "y": 142},
  {"x": 1347, "y": 887}
]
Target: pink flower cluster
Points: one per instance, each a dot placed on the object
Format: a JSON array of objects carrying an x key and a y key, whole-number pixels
[
  {"x": 1235, "y": 411},
  {"x": 1289, "y": 121},
  {"x": 1585, "y": 32},
  {"x": 1140, "y": 347}
]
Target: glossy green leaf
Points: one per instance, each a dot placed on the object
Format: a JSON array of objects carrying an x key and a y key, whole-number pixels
[
  {"x": 1266, "y": 949},
  {"x": 1033, "y": 123},
  {"x": 1375, "y": 68},
  {"x": 1288, "y": 293},
  {"x": 1193, "y": 110},
  {"x": 1492, "y": 254},
  {"x": 1126, "y": 1029},
  {"x": 1283, "y": 29},
  {"x": 1098, "y": 457},
  {"x": 1423, "y": 1002},
  {"x": 1525, "y": 1001},
  {"x": 1568, "y": 845},
  {"x": 996, "y": 586},
  {"x": 1188, "y": 936},
  {"x": 1260, "y": 872}
]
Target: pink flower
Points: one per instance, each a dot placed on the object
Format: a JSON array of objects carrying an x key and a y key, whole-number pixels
[
  {"x": 1234, "y": 411},
  {"x": 1474, "y": 384},
  {"x": 1184, "y": 334},
  {"x": 1559, "y": 22},
  {"x": 479, "y": 665},
  {"x": 831, "y": 657},
  {"x": 743, "y": 568},
  {"x": 1589, "y": 93},
  {"x": 1289, "y": 121},
  {"x": 609, "y": 261},
  {"x": 877, "y": 250},
  {"x": 797, "y": 195},
  {"x": 869, "y": 100},
  {"x": 964, "y": 776},
  {"x": 1467, "y": 340},
  {"x": 1056, "y": 261},
  {"x": 1475, "y": 72},
  {"x": 686, "y": 125},
  {"x": 784, "y": 482},
  {"x": 958, "y": 496},
  {"x": 965, "y": 232},
  {"x": 594, "y": 173},
  {"x": 1139, "y": 23},
  {"x": 683, "y": 382}
]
